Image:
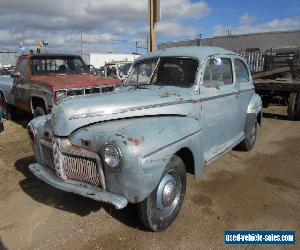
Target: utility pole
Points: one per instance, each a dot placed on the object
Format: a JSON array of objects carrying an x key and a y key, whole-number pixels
[
  {"x": 154, "y": 17},
  {"x": 148, "y": 43},
  {"x": 136, "y": 47},
  {"x": 81, "y": 52},
  {"x": 200, "y": 37}
]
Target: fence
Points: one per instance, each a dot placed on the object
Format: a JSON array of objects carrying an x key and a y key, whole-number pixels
[{"x": 255, "y": 60}]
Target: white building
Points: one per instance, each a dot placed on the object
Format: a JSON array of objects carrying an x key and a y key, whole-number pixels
[{"x": 99, "y": 59}]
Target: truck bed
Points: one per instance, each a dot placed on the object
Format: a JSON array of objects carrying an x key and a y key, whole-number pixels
[{"x": 287, "y": 85}]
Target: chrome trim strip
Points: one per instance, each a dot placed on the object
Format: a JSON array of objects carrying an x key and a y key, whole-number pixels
[
  {"x": 170, "y": 144},
  {"x": 118, "y": 111}
]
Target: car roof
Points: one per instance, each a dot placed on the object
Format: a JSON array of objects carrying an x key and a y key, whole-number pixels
[{"x": 198, "y": 52}]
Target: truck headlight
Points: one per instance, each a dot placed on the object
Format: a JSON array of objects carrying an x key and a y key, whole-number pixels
[
  {"x": 112, "y": 157},
  {"x": 60, "y": 94}
]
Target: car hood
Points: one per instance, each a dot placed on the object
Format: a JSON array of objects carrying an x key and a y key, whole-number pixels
[
  {"x": 57, "y": 82},
  {"x": 75, "y": 113}
]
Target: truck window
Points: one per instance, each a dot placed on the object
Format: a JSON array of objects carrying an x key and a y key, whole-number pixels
[
  {"x": 241, "y": 71},
  {"x": 23, "y": 67},
  {"x": 43, "y": 65},
  {"x": 218, "y": 72}
]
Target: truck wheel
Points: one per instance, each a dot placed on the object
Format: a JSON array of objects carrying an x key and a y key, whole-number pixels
[
  {"x": 38, "y": 111},
  {"x": 250, "y": 136},
  {"x": 294, "y": 106},
  {"x": 9, "y": 111},
  {"x": 161, "y": 207}
]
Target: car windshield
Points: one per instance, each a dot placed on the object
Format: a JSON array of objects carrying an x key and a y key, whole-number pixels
[
  {"x": 57, "y": 65},
  {"x": 124, "y": 68},
  {"x": 164, "y": 71}
]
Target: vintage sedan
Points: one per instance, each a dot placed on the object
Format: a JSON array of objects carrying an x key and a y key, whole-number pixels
[{"x": 179, "y": 110}]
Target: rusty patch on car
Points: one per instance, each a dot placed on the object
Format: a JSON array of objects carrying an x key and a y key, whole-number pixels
[
  {"x": 86, "y": 143},
  {"x": 136, "y": 141},
  {"x": 167, "y": 94}
]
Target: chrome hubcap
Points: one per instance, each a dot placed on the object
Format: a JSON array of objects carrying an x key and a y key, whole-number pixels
[{"x": 168, "y": 192}]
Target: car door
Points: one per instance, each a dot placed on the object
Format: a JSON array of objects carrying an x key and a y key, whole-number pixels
[
  {"x": 220, "y": 110},
  {"x": 21, "y": 86},
  {"x": 244, "y": 87}
]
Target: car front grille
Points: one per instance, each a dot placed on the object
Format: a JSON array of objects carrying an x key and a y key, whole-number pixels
[
  {"x": 72, "y": 166},
  {"x": 80, "y": 168}
]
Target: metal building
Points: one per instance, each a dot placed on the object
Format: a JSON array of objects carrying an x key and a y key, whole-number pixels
[
  {"x": 244, "y": 42},
  {"x": 8, "y": 58}
]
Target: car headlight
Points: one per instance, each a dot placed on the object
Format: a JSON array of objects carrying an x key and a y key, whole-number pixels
[
  {"x": 60, "y": 94},
  {"x": 112, "y": 157}
]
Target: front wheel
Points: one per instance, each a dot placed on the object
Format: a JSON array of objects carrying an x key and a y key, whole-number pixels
[
  {"x": 161, "y": 207},
  {"x": 38, "y": 111}
]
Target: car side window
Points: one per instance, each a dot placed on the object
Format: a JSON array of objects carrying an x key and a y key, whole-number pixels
[
  {"x": 241, "y": 71},
  {"x": 218, "y": 72},
  {"x": 23, "y": 67}
]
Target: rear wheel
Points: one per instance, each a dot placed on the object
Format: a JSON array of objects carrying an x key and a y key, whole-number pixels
[
  {"x": 161, "y": 207},
  {"x": 294, "y": 106}
]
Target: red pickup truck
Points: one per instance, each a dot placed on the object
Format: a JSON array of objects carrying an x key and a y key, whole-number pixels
[{"x": 43, "y": 80}]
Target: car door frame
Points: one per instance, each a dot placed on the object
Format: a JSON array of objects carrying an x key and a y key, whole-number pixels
[
  {"x": 244, "y": 90},
  {"x": 215, "y": 143}
]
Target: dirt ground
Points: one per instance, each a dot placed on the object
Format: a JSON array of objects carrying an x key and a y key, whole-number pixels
[{"x": 258, "y": 190}]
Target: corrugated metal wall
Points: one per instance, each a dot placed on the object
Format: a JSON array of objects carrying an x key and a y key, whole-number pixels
[{"x": 239, "y": 43}]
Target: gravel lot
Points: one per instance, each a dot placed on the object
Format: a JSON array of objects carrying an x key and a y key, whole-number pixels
[{"x": 259, "y": 190}]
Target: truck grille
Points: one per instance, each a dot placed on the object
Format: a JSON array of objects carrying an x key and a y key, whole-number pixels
[
  {"x": 88, "y": 91},
  {"x": 72, "y": 167}
]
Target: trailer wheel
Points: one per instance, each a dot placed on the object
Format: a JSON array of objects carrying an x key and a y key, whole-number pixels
[{"x": 294, "y": 106}]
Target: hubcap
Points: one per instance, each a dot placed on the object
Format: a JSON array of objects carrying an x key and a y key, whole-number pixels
[{"x": 168, "y": 192}]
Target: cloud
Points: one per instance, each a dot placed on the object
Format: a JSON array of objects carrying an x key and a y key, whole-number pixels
[
  {"x": 247, "y": 19},
  {"x": 60, "y": 21},
  {"x": 291, "y": 23}
]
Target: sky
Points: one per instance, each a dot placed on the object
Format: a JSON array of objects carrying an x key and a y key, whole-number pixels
[{"x": 116, "y": 25}]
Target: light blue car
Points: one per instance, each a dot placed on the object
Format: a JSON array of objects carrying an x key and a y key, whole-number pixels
[{"x": 179, "y": 110}]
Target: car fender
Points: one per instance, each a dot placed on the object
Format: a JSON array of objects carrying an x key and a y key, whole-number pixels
[
  {"x": 254, "y": 110},
  {"x": 146, "y": 144}
]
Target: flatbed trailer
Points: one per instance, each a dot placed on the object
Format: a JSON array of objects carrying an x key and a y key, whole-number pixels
[{"x": 287, "y": 90}]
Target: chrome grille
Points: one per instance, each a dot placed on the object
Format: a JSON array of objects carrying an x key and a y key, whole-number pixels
[
  {"x": 47, "y": 155},
  {"x": 73, "y": 167},
  {"x": 80, "y": 168}
]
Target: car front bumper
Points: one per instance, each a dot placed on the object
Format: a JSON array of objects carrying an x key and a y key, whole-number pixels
[{"x": 78, "y": 188}]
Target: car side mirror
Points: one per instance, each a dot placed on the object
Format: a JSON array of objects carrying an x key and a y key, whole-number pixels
[{"x": 15, "y": 75}]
